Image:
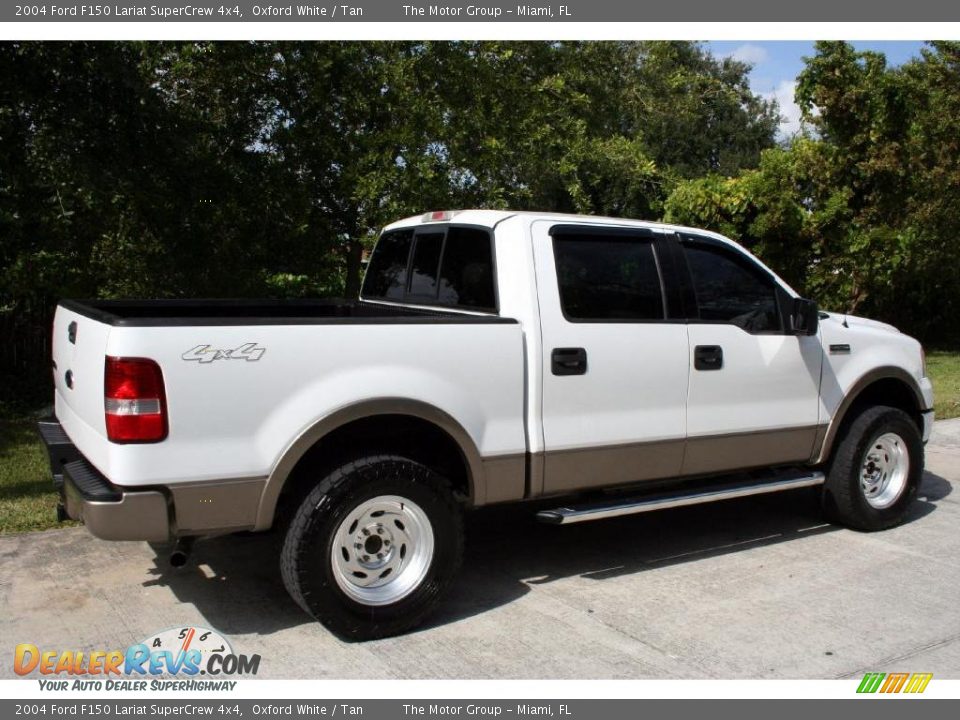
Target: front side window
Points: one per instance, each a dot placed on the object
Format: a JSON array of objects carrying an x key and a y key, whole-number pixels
[
  {"x": 607, "y": 278},
  {"x": 446, "y": 266},
  {"x": 731, "y": 290}
]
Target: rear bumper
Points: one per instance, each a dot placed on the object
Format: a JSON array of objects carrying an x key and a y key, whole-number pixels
[
  {"x": 155, "y": 514},
  {"x": 110, "y": 513},
  {"x": 60, "y": 450}
]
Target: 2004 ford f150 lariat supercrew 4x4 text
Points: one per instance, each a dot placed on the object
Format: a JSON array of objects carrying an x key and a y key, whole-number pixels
[{"x": 616, "y": 365}]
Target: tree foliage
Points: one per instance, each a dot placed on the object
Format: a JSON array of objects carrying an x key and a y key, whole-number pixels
[
  {"x": 862, "y": 211},
  {"x": 265, "y": 168}
]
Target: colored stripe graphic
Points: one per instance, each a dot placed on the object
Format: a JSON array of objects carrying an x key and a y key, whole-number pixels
[
  {"x": 918, "y": 682},
  {"x": 894, "y": 682},
  {"x": 870, "y": 682}
]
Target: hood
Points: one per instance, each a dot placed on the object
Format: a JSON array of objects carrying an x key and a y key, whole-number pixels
[{"x": 855, "y": 321}]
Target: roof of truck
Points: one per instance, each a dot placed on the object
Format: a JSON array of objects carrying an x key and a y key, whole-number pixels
[{"x": 491, "y": 218}]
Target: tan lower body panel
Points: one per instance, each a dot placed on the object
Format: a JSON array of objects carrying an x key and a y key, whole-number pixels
[
  {"x": 505, "y": 478},
  {"x": 587, "y": 468},
  {"x": 739, "y": 451},
  {"x": 233, "y": 504},
  {"x": 584, "y": 468},
  {"x": 216, "y": 505}
]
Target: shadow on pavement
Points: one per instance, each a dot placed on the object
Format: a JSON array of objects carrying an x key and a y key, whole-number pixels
[
  {"x": 235, "y": 582},
  {"x": 932, "y": 489}
]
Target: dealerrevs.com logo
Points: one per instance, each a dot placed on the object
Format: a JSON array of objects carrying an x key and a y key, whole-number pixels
[{"x": 173, "y": 659}]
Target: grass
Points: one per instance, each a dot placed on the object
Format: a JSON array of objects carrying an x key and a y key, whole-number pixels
[
  {"x": 27, "y": 498},
  {"x": 944, "y": 371},
  {"x": 28, "y": 501}
]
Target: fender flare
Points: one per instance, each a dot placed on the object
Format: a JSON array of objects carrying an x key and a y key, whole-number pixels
[
  {"x": 359, "y": 411},
  {"x": 887, "y": 372}
]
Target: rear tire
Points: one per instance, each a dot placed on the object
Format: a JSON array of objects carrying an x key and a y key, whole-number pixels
[
  {"x": 373, "y": 546},
  {"x": 875, "y": 471}
]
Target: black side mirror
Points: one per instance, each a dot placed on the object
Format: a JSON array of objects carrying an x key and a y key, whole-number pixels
[{"x": 805, "y": 317}]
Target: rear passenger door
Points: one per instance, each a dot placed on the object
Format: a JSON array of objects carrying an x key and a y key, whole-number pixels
[
  {"x": 753, "y": 398},
  {"x": 615, "y": 368}
]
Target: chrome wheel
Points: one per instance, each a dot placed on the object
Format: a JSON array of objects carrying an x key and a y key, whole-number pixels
[
  {"x": 382, "y": 550},
  {"x": 884, "y": 470}
]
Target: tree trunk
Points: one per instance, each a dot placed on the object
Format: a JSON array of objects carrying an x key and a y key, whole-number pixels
[{"x": 354, "y": 258}]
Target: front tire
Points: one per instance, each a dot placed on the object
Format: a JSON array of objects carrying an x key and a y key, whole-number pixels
[
  {"x": 373, "y": 547},
  {"x": 876, "y": 470}
]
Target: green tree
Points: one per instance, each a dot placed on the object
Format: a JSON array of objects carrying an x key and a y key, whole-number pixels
[
  {"x": 265, "y": 168},
  {"x": 863, "y": 213}
]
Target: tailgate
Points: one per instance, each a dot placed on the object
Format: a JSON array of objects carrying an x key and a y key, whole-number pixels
[{"x": 79, "y": 348}]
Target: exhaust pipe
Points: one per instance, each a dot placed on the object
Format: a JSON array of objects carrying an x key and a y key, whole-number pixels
[{"x": 181, "y": 552}]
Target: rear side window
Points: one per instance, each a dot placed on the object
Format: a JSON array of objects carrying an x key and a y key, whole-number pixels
[
  {"x": 607, "y": 278},
  {"x": 730, "y": 290},
  {"x": 445, "y": 266}
]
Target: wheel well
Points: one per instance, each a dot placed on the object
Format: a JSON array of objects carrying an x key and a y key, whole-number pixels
[
  {"x": 406, "y": 435},
  {"x": 891, "y": 392}
]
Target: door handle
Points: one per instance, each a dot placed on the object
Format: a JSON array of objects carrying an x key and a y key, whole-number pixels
[
  {"x": 568, "y": 361},
  {"x": 708, "y": 357}
]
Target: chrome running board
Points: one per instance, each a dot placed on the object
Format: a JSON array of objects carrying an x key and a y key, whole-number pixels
[{"x": 662, "y": 501}]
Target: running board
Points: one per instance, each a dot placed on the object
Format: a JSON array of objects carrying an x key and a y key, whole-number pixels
[{"x": 649, "y": 503}]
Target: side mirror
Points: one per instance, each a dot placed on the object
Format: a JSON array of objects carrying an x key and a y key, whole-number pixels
[{"x": 805, "y": 317}]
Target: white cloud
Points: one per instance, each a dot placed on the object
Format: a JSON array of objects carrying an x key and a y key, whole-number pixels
[
  {"x": 789, "y": 110},
  {"x": 750, "y": 54}
]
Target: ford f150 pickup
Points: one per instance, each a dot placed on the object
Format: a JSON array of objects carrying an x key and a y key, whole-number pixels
[{"x": 618, "y": 366}]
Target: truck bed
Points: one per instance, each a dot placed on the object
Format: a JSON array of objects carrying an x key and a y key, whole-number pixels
[
  {"x": 212, "y": 312},
  {"x": 235, "y": 418}
]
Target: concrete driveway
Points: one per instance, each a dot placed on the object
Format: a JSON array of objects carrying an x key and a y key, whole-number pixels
[{"x": 748, "y": 588}]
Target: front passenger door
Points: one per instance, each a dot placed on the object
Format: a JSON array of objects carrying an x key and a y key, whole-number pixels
[{"x": 754, "y": 388}]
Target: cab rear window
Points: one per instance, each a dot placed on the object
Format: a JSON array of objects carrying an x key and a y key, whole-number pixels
[
  {"x": 447, "y": 266},
  {"x": 387, "y": 272}
]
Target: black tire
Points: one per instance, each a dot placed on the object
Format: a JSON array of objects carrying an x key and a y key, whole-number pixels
[
  {"x": 844, "y": 499},
  {"x": 308, "y": 568}
]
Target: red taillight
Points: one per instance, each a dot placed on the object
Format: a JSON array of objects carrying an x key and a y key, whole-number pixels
[{"x": 134, "y": 402}]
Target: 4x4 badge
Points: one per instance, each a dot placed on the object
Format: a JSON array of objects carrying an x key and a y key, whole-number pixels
[{"x": 250, "y": 352}]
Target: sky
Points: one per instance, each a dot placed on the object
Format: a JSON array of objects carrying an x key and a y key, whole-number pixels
[{"x": 776, "y": 65}]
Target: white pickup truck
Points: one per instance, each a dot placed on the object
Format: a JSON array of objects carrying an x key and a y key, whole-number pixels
[{"x": 616, "y": 365}]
